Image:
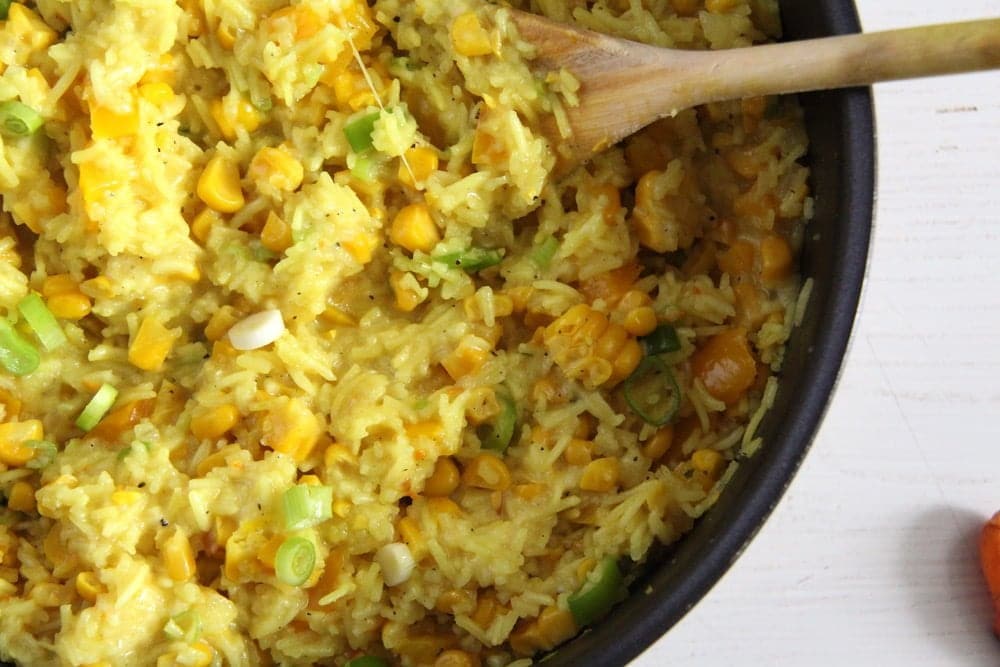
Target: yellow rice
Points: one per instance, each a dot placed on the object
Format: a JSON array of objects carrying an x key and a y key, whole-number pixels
[{"x": 391, "y": 359}]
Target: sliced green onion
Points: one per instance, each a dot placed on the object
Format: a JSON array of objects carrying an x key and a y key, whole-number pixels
[
  {"x": 97, "y": 408},
  {"x": 652, "y": 392},
  {"x": 663, "y": 339},
  {"x": 186, "y": 626},
  {"x": 364, "y": 167},
  {"x": 306, "y": 505},
  {"x": 359, "y": 131},
  {"x": 496, "y": 436},
  {"x": 366, "y": 661},
  {"x": 295, "y": 561},
  {"x": 41, "y": 319},
  {"x": 4, "y": 9},
  {"x": 19, "y": 120},
  {"x": 260, "y": 253},
  {"x": 603, "y": 588},
  {"x": 45, "y": 454},
  {"x": 543, "y": 253},
  {"x": 17, "y": 356},
  {"x": 472, "y": 260}
]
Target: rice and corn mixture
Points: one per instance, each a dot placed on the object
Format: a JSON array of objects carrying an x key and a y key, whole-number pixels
[{"x": 306, "y": 359}]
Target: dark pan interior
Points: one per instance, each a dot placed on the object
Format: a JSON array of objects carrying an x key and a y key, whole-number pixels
[{"x": 842, "y": 158}]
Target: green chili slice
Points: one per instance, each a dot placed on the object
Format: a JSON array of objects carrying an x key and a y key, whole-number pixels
[
  {"x": 364, "y": 167},
  {"x": 366, "y": 661},
  {"x": 42, "y": 321},
  {"x": 652, "y": 392},
  {"x": 497, "y": 435},
  {"x": 603, "y": 588},
  {"x": 4, "y": 9},
  {"x": 97, "y": 407},
  {"x": 663, "y": 339},
  {"x": 472, "y": 260},
  {"x": 306, "y": 505},
  {"x": 17, "y": 356},
  {"x": 359, "y": 131},
  {"x": 19, "y": 120},
  {"x": 294, "y": 561},
  {"x": 544, "y": 252}
]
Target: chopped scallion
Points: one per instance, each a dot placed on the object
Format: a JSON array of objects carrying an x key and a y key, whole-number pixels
[
  {"x": 45, "y": 454},
  {"x": 17, "y": 356},
  {"x": 652, "y": 392},
  {"x": 42, "y": 321},
  {"x": 496, "y": 436},
  {"x": 544, "y": 252},
  {"x": 4, "y": 9},
  {"x": 663, "y": 339},
  {"x": 472, "y": 260},
  {"x": 603, "y": 588},
  {"x": 19, "y": 120},
  {"x": 359, "y": 131},
  {"x": 97, "y": 407},
  {"x": 306, "y": 505},
  {"x": 186, "y": 626},
  {"x": 366, "y": 661},
  {"x": 294, "y": 561}
]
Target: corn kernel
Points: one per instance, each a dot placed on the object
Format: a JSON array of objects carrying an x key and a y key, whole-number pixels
[
  {"x": 411, "y": 535},
  {"x": 445, "y": 478},
  {"x": 578, "y": 452},
  {"x": 151, "y": 345},
  {"x": 114, "y": 123},
  {"x": 178, "y": 557},
  {"x": 422, "y": 162},
  {"x": 125, "y": 497},
  {"x": 468, "y": 357},
  {"x": 468, "y": 36},
  {"x": 291, "y": 429},
  {"x": 487, "y": 471},
  {"x": 60, "y": 283},
  {"x": 336, "y": 454},
  {"x": 88, "y": 586},
  {"x": 440, "y": 506},
  {"x": 276, "y": 235},
  {"x": 277, "y": 168},
  {"x": 158, "y": 93},
  {"x": 13, "y": 436},
  {"x": 221, "y": 321},
  {"x": 600, "y": 475},
  {"x": 225, "y": 36},
  {"x": 70, "y": 306},
  {"x": 99, "y": 286},
  {"x": 659, "y": 443},
  {"x": 219, "y": 185},
  {"x": 215, "y": 422},
  {"x": 407, "y": 299},
  {"x": 640, "y": 321},
  {"x": 413, "y": 228},
  {"x": 21, "y": 497},
  {"x": 29, "y": 28},
  {"x": 361, "y": 247},
  {"x": 709, "y": 462},
  {"x": 235, "y": 114}
]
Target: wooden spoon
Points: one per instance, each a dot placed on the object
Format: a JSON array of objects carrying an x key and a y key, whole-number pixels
[{"x": 625, "y": 86}]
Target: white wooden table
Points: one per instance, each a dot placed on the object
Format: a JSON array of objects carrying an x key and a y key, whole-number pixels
[{"x": 871, "y": 557}]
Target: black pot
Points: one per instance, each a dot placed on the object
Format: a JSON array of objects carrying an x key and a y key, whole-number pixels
[{"x": 842, "y": 158}]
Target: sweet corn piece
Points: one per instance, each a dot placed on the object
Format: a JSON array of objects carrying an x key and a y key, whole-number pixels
[
  {"x": 99, "y": 286},
  {"x": 123, "y": 497},
  {"x": 775, "y": 259},
  {"x": 552, "y": 627},
  {"x": 21, "y": 497},
  {"x": 60, "y": 283},
  {"x": 441, "y": 506},
  {"x": 219, "y": 185},
  {"x": 13, "y": 436},
  {"x": 469, "y": 38},
  {"x": 88, "y": 586},
  {"x": 151, "y": 345},
  {"x": 114, "y": 123},
  {"x": 407, "y": 299},
  {"x": 220, "y": 322},
  {"x": 422, "y": 162},
  {"x": 411, "y": 535},
  {"x": 641, "y": 321},
  {"x": 225, "y": 36},
  {"x": 600, "y": 475},
  {"x": 11, "y": 405},
  {"x": 178, "y": 557},
  {"x": 233, "y": 114},
  {"x": 589, "y": 348},
  {"x": 361, "y": 247},
  {"x": 292, "y": 429},
  {"x": 276, "y": 235},
  {"x": 708, "y": 461},
  {"x": 578, "y": 452},
  {"x": 28, "y": 28},
  {"x": 202, "y": 654},
  {"x": 277, "y": 168},
  {"x": 203, "y": 223},
  {"x": 157, "y": 92},
  {"x": 413, "y": 228},
  {"x": 468, "y": 357},
  {"x": 70, "y": 305},
  {"x": 357, "y": 17},
  {"x": 302, "y": 20},
  {"x": 336, "y": 454},
  {"x": 720, "y": 6},
  {"x": 487, "y": 471},
  {"x": 659, "y": 443},
  {"x": 445, "y": 478},
  {"x": 215, "y": 422}
]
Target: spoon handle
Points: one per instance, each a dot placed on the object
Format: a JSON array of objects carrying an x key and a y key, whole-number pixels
[{"x": 839, "y": 62}]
